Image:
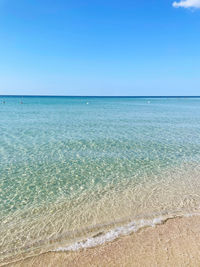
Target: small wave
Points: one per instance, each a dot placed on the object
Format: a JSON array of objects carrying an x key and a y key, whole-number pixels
[
  {"x": 103, "y": 237},
  {"x": 111, "y": 235}
]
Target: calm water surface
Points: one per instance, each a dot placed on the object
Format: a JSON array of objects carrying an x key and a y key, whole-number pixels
[{"x": 71, "y": 167}]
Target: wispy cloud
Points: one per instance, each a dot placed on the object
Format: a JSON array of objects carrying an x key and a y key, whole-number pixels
[{"x": 187, "y": 4}]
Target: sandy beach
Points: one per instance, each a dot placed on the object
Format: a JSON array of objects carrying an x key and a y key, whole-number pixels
[{"x": 176, "y": 242}]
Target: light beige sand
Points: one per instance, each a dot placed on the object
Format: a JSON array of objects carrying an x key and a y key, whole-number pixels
[{"x": 174, "y": 243}]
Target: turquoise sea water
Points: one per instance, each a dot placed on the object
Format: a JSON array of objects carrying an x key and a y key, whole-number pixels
[{"x": 71, "y": 167}]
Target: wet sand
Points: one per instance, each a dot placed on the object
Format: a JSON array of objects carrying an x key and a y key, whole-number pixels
[{"x": 173, "y": 243}]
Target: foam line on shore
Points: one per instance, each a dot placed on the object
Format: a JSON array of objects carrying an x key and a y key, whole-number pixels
[{"x": 113, "y": 234}]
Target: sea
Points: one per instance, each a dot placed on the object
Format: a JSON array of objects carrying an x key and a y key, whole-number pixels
[{"x": 76, "y": 172}]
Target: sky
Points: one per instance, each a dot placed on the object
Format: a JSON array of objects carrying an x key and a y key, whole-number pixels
[{"x": 100, "y": 47}]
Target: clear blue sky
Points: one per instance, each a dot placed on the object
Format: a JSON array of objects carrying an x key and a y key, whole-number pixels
[{"x": 99, "y": 47}]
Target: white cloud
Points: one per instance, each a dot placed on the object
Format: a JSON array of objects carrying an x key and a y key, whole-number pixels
[{"x": 187, "y": 4}]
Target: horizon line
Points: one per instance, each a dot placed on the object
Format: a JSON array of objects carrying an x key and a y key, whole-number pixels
[{"x": 109, "y": 96}]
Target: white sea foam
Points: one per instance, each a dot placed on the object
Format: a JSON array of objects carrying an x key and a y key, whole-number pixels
[
  {"x": 119, "y": 231},
  {"x": 111, "y": 235}
]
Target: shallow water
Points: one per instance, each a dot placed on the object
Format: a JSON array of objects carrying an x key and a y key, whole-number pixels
[{"x": 74, "y": 167}]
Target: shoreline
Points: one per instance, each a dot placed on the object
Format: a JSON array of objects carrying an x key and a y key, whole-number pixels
[{"x": 176, "y": 241}]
